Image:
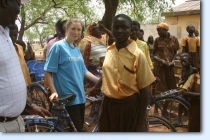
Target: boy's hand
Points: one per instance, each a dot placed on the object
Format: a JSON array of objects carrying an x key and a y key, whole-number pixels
[{"x": 37, "y": 110}]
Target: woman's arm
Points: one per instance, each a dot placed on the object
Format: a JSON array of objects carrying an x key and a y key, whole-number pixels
[
  {"x": 155, "y": 52},
  {"x": 91, "y": 77},
  {"x": 92, "y": 90},
  {"x": 49, "y": 81}
]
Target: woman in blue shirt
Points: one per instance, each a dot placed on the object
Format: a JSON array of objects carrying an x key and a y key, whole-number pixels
[{"x": 65, "y": 71}]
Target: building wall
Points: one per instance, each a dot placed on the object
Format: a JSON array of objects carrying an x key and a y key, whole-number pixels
[
  {"x": 149, "y": 29},
  {"x": 177, "y": 25}
]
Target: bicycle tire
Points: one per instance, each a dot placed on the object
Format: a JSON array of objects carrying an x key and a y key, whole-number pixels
[
  {"x": 39, "y": 95},
  {"x": 180, "y": 121},
  {"x": 159, "y": 124},
  {"x": 91, "y": 115},
  {"x": 41, "y": 125},
  {"x": 92, "y": 112}
]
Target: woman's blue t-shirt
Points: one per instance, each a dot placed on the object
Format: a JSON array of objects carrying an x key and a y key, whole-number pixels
[{"x": 68, "y": 70}]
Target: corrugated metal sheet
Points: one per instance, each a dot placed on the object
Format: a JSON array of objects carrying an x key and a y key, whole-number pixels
[{"x": 188, "y": 7}]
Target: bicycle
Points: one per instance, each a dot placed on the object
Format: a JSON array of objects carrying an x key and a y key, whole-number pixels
[
  {"x": 168, "y": 104},
  {"x": 92, "y": 109},
  {"x": 155, "y": 123},
  {"x": 38, "y": 94},
  {"x": 60, "y": 122}
]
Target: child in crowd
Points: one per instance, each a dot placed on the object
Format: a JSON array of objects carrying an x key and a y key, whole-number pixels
[
  {"x": 141, "y": 44},
  {"x": 126, "y": 77},
  {"x": 187, "y": 68},
  {"x": 141, "y": 35},
  {"x": 191, "y": 89},
  {"x": 150, "y": 42},
  {"x": 191, "y": 45}
]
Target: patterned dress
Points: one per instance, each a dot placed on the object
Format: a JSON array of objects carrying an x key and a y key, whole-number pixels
[
  {"x": 93, "y": 51},
  {"x": 165, "y": 49}
]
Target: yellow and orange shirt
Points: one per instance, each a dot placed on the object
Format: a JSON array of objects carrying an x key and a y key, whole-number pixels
[
  {"x": 23, "y": 64},
  {"x": 145, "y": 49},
  {"x": 191, "y": 84},
  {"x": 125, "y": 72},
  {"x": 192, "y": 43}
]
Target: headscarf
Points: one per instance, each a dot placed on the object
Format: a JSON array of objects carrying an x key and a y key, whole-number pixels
[
  {"x": 88, "y": 30},
  {"x": 88, "y": 35},
  {"x": 163, "y": 26}
]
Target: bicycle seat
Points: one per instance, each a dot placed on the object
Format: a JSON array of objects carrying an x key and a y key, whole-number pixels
[{"x": 67, "y": 98}]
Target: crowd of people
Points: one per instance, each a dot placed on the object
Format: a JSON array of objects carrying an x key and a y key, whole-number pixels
[{"x": 119, "y": 62}]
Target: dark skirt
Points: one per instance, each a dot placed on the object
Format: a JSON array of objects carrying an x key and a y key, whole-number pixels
[
  {"x": 120, "y": 115},
  {"x": 166, "y": 76},
  {"x": 194, "y": 116},
  {"x": 195, "y": 59}
]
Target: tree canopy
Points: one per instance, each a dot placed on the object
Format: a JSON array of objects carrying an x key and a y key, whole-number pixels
[{"x": 38, "y": 17}]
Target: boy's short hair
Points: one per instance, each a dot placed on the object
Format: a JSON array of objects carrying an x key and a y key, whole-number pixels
[
  {"x": 136, "y": 23},
  {"x": 189, "y": 26},
  {"x": 123, "y": 16},
  {"x": 186, "y": 55},
  {"x": 141, "y": 31}
]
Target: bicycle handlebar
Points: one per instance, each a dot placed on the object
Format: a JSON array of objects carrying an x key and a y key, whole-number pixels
[{"x": 96, "y": 98}]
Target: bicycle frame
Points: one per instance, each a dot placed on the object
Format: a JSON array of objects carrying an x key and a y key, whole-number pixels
[
  {"x": 172, "y": 93},
  {"x": 53, "y": 122},
  {"x": 64, "y": 113}
]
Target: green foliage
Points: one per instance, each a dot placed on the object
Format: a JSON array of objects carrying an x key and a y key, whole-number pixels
[
  {"x": 145, "y": 11},
  {"x": 39, "y": 16},
  {"x": 47, "y": 12}
]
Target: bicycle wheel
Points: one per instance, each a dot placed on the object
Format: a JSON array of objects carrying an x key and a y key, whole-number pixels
[
  {"x": 40, "y": 125},
  {"x": 173, "y": 108},
  {"x": 95, "y": 129},
  {"x": 159, "y": 124},
  {"x": 91, "y": 114},
  {"x": 38, "y": 95}
]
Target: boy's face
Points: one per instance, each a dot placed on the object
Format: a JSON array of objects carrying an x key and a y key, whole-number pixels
[
  {"x": 13, "y": 35},
  {"x": 150, "y": 39},
  {"x": 196, "y": 33},
  {"x": 121, "y": 29},
  {"x": 96, "y": 32},
  {"x": 134, "y": 32},
  {"x": 185, "y": 61},
  {"x": 161, "y": 32},
  {"x": 140, "y": 35}
]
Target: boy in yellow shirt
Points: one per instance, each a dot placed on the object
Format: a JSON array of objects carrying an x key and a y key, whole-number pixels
[{"x": 141, "y": 44}]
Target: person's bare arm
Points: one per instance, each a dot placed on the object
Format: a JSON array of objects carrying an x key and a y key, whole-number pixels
[
  {"x": 109, "y": 33},
  {"x": 143, "y": 101},
  {"x": 92, "y": 90},
  {"x": 198, "y": 51},
  {"x": 155, "y": 57},
  {"x": 33, "y": 109},
  {"x": 49, "y": 81},
  {"x": 91, "y": 77},
  {"x": 155, "y": 54},
  {"x": 191, "y": 94}
]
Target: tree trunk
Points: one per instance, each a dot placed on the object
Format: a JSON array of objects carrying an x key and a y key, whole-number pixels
[
  {"x": 110, "y": 11},
  {"x": 23, "y": 21}
]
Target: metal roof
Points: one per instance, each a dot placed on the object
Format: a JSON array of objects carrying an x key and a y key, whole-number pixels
[{"x": 187, "y": 8}]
